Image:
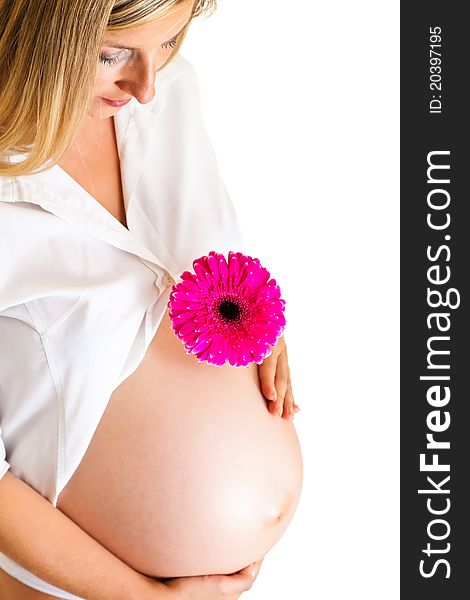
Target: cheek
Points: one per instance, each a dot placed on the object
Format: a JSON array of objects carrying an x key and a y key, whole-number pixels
[
  {"x": 104, "y": 79},
  {"x": 100, "y": 84}
]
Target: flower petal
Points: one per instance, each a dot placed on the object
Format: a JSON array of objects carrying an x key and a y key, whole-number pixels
[
  {"x": 194, "y": 309},
  {"x": 223, "y": 269}
]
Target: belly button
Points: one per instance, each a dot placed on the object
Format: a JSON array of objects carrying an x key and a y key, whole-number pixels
[{"x": 279, "y": 511}]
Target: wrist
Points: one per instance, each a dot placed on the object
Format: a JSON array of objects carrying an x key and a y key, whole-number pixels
[{"x": 147, "y": 588}]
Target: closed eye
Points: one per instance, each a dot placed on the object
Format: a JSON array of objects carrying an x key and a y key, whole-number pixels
[{"x": 112, "y": 60}]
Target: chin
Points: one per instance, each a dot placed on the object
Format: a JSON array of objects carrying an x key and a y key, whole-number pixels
[{"x": 99, "y": 110}]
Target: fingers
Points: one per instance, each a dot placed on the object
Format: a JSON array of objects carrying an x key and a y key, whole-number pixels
[
  {"x": 267, "y": 373},
  {"x": 276, "y": 386},
  {"x": 282, "y": 382},
  {"x": 241, "y": 581},
  {"x": 237, "y": 583},
  {"x": 289, "y": 402},
  {"x": 285, "y": 405},
  {"x": 255, "y": 567}
]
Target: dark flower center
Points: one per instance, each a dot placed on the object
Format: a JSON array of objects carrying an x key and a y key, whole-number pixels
[{"x": 229, "y": 310}]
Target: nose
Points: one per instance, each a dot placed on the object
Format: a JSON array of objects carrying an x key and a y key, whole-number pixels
[{"x": 139, "y": 81}]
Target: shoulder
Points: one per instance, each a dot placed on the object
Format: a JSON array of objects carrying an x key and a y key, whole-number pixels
[
  {"x": 24, "y": 251},
  {"x": 19, "y": 222},
  {"x": 41, "y": 255},
  {"x": 25, "y": 224}
]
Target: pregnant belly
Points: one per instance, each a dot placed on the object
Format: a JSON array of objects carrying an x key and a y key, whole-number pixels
[{"x": 187, "y": 473}]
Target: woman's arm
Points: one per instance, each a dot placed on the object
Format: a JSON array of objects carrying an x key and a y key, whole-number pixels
[{"x": 46, "y": 542}]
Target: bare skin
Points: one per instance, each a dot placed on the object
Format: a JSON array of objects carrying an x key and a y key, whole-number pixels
[
  {"x": 102, "y": 178},
  {"x": 187, "y": 472},
  {"x": 93, "y": 162},
  {"x": 217, "y": 587}
]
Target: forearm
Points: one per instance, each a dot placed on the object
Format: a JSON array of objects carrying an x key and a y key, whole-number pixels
[{"x": 46, "y": 542}]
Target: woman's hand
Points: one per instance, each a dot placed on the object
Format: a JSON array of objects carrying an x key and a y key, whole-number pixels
[
  {"x": 275, "y": 383},
  {"x": 214, "y": 587}
]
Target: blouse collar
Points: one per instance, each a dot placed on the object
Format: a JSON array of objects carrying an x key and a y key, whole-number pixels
[{"x": 55, "y": 191}]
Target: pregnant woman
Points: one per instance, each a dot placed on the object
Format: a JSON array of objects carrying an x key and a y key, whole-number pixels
[{"x": 128, "y": 470}]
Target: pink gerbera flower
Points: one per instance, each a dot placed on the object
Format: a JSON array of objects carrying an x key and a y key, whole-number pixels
[{"x": 227, "y": 310}]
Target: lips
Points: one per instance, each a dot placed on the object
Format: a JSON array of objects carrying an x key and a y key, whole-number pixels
[{"x": 115, "y": 103}]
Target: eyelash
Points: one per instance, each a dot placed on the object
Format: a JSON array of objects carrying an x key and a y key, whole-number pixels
[{"x": 115, "y": 59}]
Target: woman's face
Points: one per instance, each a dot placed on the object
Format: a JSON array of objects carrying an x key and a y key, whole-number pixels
[{"x": 130, "y": 59}]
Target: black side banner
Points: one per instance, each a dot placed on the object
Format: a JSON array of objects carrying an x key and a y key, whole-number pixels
[{"x": 435, "y": 301}]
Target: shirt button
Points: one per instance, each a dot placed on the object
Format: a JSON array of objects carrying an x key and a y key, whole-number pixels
[{"x": 168, "y": 280}]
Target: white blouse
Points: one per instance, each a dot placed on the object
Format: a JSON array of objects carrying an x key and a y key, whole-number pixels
[{"x": 81, "y": 296}]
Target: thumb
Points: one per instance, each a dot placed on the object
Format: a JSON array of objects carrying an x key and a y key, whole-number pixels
[{"x": 241, "y": 581}]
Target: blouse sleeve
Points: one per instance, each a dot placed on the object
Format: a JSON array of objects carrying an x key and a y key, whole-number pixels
[
  {"x": 18, "y": 351},
  {"x": 27, "y": 414}
]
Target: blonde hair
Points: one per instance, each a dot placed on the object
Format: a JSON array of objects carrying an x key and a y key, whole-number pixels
[{"x": 47, "y": 71}]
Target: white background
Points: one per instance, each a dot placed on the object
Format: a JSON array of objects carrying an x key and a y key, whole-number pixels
[{"x": 301, "y": 102}]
